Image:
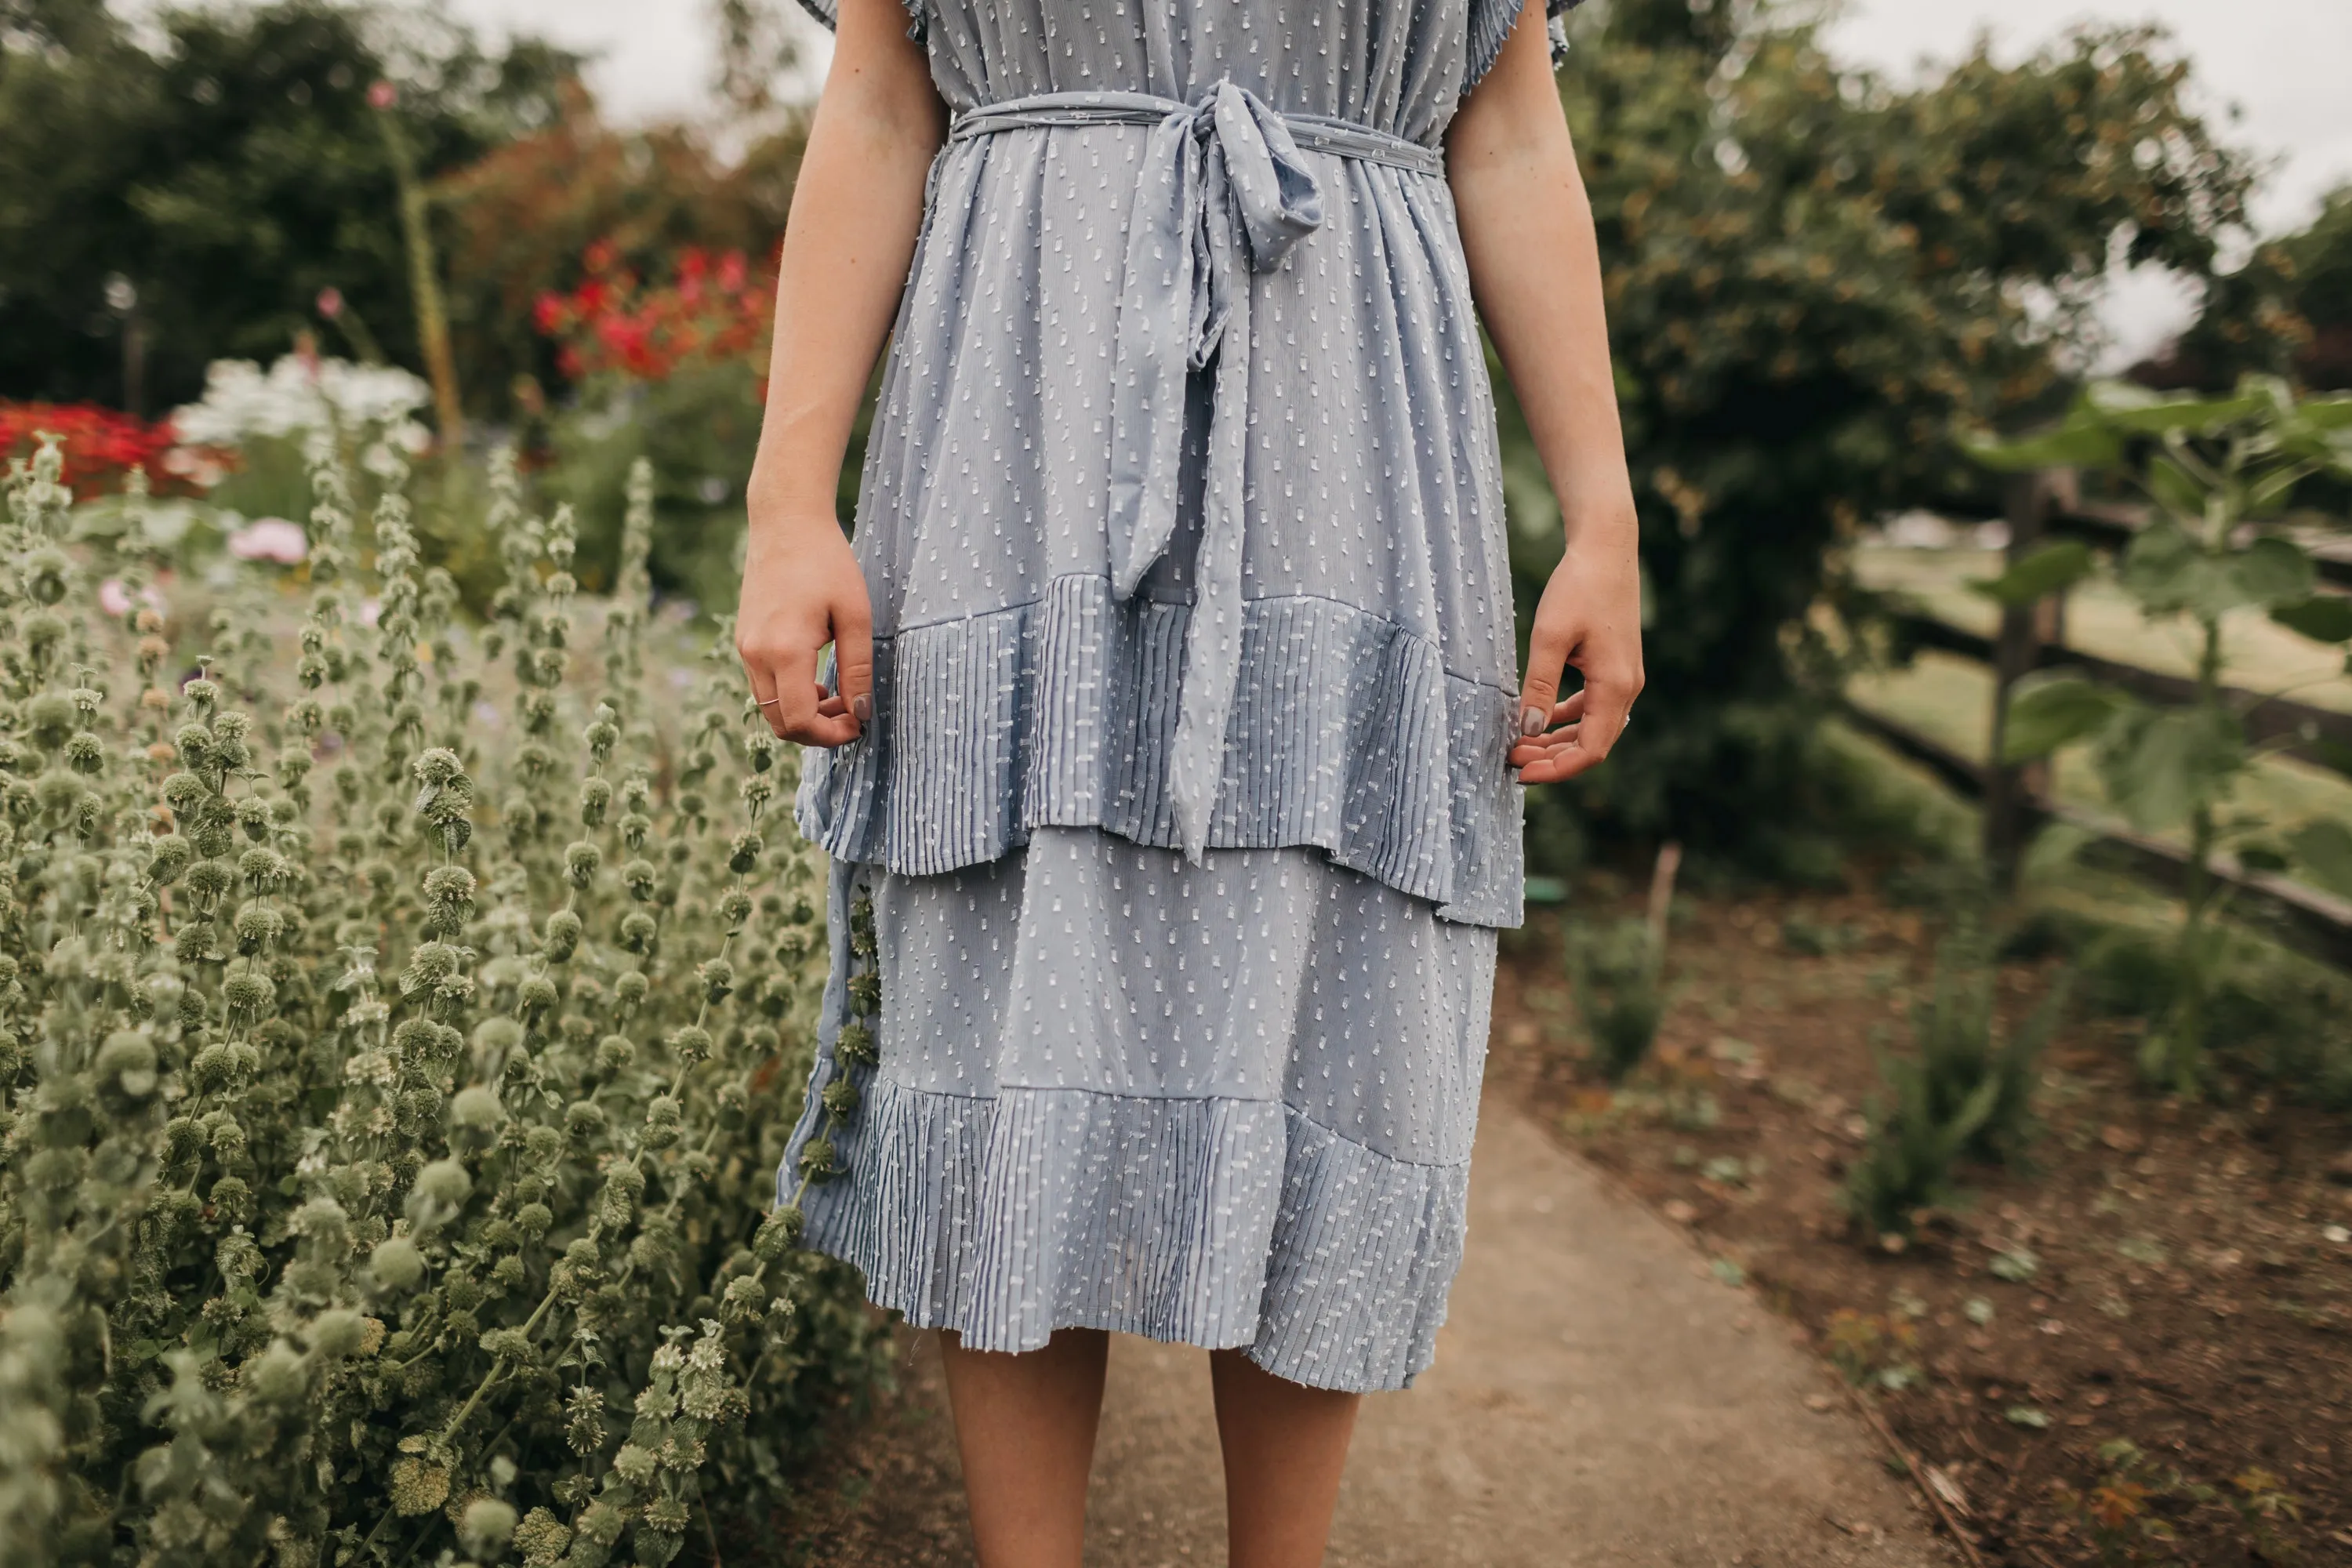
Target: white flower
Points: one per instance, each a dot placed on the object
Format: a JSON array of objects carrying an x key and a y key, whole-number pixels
[{"x": 297, "y": 397}]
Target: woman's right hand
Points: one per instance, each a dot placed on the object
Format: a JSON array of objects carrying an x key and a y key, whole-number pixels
[{"x": 802, "y": 589}]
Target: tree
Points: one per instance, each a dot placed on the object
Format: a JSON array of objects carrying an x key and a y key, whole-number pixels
[
  {"x": 220, "y": 180},
  {"x": 1810, "y": 276},
  {"x": 2288, "y": 311}
]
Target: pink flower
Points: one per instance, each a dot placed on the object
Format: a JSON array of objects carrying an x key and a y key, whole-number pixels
[
  {"x": 383, "y": 95},
  {"x": 331, "y": 301},
  {"x": 271, "y": 539},
  {"x": 115, "y": 599}
]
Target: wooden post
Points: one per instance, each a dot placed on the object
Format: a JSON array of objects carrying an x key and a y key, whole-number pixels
[{"x": 2017, "y": 648}]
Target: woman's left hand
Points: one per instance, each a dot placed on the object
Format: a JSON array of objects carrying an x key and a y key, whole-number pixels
[{"x": 1591, "y": 618}]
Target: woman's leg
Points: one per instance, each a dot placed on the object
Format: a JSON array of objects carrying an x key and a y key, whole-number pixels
[
  {"x": 1284, "y": 1446},
  {"x": 1025, "y": 1425}
]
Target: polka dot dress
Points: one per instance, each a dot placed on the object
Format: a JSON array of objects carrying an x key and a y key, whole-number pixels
[{"x": 1183, "y": 819}]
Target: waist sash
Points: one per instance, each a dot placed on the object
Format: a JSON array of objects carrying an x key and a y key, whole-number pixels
[{"x": 1224, "y": 193}]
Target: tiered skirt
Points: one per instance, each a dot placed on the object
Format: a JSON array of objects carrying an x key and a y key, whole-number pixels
[{"x": 1227, "y": 1104}]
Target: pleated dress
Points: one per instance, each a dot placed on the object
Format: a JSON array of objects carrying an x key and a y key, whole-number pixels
[{"x": 1164, "y": 880}]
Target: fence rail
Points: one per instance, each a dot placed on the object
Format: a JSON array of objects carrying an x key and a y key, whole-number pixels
[
  {"x": 2017, "y": 796},
  {"x": 2304, "y": 919},
  {"x": 2299, "y": 724},
  {"x": 2114, "y": 523}
]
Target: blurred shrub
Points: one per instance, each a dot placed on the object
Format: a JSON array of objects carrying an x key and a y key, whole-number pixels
[
  {"x": 1616, "y": 972},
  {"x": 579, "y": 200},
  {"x": 702, "y": 428},
  {"x": 2288, "y": 311},
  {"x": 397, "y": 1030},
  {"x": 1810, "y": 274},
  {"x": 1617, "y": 975},
  {"x": 673, "y": 372},
  {"x": 224, "y": 165}
]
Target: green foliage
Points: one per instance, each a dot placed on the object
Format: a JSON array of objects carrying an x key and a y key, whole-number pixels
[
  {"x": 2047, "y": 571},
  {"x": 394, "y": 1066},
  {"x": 2219, "y": 472},
  {"x": 228, "y": 173},
  {"x": 1810, "y": 275},
  {"x": 1906, "y": 1165},
  {"x": 1965, "y": 1093},
  {"x": 1617, "y": 976},
  {"x": 2274, "y": 1016},
  {"x": 702, "y": 428},
  {"x": 1962, "y": 1048}
]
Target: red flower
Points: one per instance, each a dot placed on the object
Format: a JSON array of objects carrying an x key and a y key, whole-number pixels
[
  {"x": 616, "y": 323},
  {"x": 100, "y": 446}
]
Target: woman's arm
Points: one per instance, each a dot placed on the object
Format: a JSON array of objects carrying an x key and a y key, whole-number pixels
[
  {"x": 1535, "y": 270},
  {"x": 855, "y": 211}
]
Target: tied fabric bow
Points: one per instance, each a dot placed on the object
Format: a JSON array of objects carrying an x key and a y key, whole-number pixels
[{"x": 1224, "y": 193}]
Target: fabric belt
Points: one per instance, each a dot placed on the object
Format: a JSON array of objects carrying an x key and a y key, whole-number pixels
[{"x": 1225, "y": 192}]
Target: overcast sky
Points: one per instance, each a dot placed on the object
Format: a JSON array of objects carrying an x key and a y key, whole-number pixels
[{"x": 2283, "y": 66}]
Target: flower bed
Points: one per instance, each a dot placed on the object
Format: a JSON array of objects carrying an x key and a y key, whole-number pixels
[{"x": 398, "y": 1032}]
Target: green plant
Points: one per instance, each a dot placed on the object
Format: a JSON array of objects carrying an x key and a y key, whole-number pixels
[
  {"x": 1906, "y": 1159},
  {"x": 1963, "y": 1047},
  {"x": 1965, "y": 1092},
  {"x": 1617, "y": 976},
  {"x": 2219, "y": 473},
  {"x": 396, "y": 1035}
]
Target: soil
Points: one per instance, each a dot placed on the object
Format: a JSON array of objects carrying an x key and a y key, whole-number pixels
[{"x": 2172, "y": 1276}]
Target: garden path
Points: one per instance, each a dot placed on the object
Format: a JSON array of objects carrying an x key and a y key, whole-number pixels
[{"x": 1599, "y": 1398}]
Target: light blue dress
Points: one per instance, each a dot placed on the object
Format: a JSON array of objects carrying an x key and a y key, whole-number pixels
[{"x": 1183, "y": 820}]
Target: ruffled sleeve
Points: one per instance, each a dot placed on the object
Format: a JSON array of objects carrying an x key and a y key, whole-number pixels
[
  {"x": 826, "y": 11},
  {"x": 1491, "y": 22}
]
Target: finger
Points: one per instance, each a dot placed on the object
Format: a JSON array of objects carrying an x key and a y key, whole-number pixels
[
  {"x": 1564, "y": 753},
  {"x": 852, "y": 653},
  {"x": 1548, "y": 648},
  {"x": 1609, "y": 698},
  {"x": 764, "y": 688},
  {"x": 1536, "y": 748},
  {"x": 798, "y": 701}
]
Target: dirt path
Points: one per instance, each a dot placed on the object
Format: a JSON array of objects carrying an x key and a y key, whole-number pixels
[{"x": 1599, "y": 1398}]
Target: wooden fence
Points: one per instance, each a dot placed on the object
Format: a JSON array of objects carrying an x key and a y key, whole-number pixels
[{"x": 2016, "y": 795}]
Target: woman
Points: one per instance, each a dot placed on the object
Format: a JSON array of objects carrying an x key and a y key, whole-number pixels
[{"x": 1167, "y": 769}]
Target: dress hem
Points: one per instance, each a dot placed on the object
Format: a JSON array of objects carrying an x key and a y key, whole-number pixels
[{"x": 1329, "y": 1263}]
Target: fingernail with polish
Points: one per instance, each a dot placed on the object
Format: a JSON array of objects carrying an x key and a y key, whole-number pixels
[
  {"x": 862, "y": 705},
  {"x": 1531, "y": 721}
]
